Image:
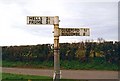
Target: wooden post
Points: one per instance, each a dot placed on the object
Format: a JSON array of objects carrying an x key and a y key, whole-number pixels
[{"x": 56, "y": 76}]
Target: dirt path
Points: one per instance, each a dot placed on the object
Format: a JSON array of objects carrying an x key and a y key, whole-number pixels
[{"x": 66, "y": 74}]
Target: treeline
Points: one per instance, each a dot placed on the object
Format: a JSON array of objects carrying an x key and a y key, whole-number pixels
[{"x": 82, "y": 51}]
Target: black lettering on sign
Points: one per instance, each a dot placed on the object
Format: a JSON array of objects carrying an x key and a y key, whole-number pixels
[
  {"x": 74, "y": 34},
  {"x": 31, "y": 18},
  {"x": 47, "y": 20},
  {"x": 83, "y": 34},
  {"x": 85, "y": 30},
  {"x": 40, "y": 20},
  {"x": 37, "y": 18},
  {"x": 30, "y": 22}
]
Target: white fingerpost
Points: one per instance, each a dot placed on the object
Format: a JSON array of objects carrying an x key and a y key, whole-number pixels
[
  {"x": 56, "y": 75},
  {"x": 54, "y": 20}
]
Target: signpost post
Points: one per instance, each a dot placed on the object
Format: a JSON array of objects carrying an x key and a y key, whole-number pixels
[
  {"x": 50, "y": 20},
  {"x": 56, "y": 76}
]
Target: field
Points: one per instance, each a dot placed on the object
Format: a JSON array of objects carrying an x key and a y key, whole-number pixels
[
  {"x": 78, "y": 56},
  {"x": 96, "y": 65}
]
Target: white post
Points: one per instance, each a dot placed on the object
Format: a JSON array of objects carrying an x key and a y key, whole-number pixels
[{"x": 56, "y": 76}]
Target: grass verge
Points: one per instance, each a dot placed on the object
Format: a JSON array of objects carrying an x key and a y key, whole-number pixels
[
  {"x": 19, "y": 77},
  {"x": 9, "y": 76},
  {"x": 76, "y": 65}
]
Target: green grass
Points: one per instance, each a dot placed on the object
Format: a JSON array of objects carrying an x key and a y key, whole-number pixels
[
  {"x": 9, "y": 76},
  {"x": 27, "y": 64},
  {"x": 93, "y": 65},
  {"x": 47, "y": 80},
  {"x": 88, "y": 66},
  {"x": 19, "y": 77}
]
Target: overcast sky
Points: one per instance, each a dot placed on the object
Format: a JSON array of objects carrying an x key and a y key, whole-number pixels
[{"x": 101, "y": 17}]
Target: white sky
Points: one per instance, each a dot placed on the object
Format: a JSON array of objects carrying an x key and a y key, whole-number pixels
[{"x": 101, "y": 17}]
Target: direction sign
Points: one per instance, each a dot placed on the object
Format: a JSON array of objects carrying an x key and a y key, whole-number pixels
[
  {"x": 40, "y": 20},
  {"x": 50, "y": 20},
  {"x": 74, "y": 32}
]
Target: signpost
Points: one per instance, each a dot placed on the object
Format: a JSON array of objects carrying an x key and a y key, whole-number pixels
[
  {"x": 40, "y": 20},
  {"x": 74, "y": 32},
  {"x": 50, "y": 20},
  {"x": 56, "y": 76}
]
